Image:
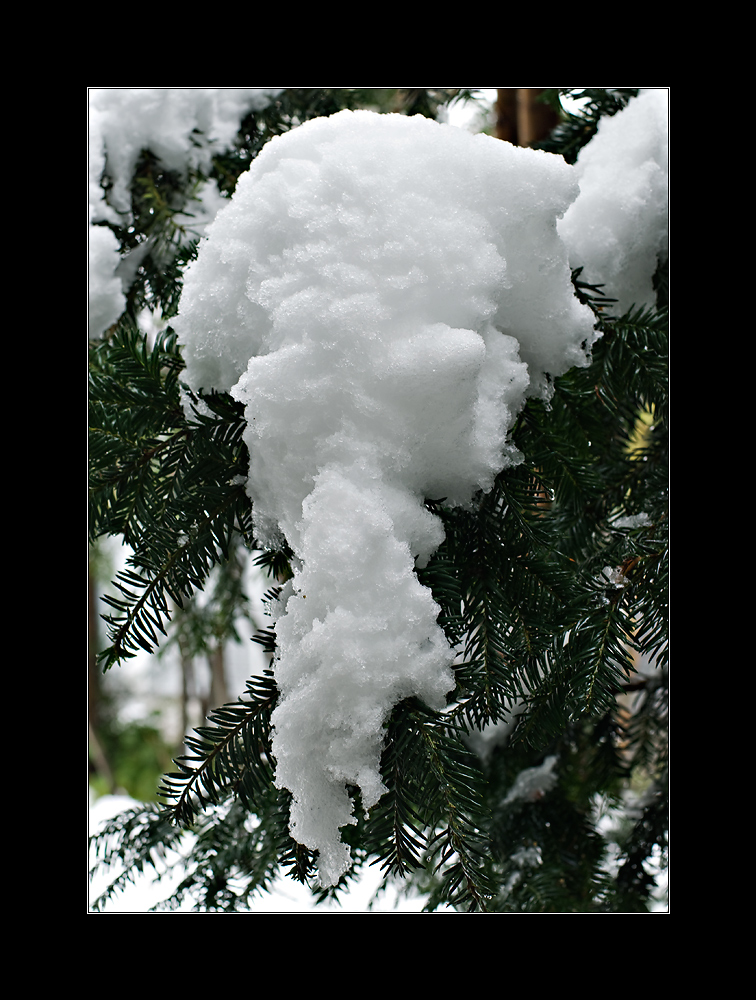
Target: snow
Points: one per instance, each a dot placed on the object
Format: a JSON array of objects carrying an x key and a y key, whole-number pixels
[
  {"x": 183, "y": 127},
  {"x": 632, "y": 521},
  {"x": 106, "y": 298},
  {"x": 534, "y": 782},
  {"x": 617, "y": 228},
  {"x": 382, "y": 293},
  {"x": 614, "y": 576},
  {"x": 150, "y": 887}
]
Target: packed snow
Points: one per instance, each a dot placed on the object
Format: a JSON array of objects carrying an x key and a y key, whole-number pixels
[{"x": 382, "y": 293}]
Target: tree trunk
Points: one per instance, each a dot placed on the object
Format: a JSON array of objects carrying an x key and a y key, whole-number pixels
[
  {"x": 521, "y": 118},
  {"x": 506, "y": 114},
  {"x": 218, "y": 688}
]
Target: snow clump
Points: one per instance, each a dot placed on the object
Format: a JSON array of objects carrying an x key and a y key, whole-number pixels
[
  {"x": 617, "y": 228},
  {"x": 632, "y": 521},
  {"x": 534, "y": 782},
  {"x": 382, "y": 293},
  {"x": 183, "y": 128}
]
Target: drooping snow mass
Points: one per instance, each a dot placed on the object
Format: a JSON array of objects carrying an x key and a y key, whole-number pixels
[
  {"x": 382, "y": 293},
  {"x": 182, "y": 127},
  {"x": 617, "y": 227}
]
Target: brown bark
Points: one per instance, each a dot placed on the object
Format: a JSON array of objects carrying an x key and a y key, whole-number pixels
[
  {"x": 521, "y": 118},
  {"x": 506, "y": 114},
  {"x": 534, "y": 118}
]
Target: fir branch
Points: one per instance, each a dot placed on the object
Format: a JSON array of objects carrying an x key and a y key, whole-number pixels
[
  {"x": 576, "y": 129},
  {"x": 432, "y": 815},
  {"x": 512, "y": 592},
  {"x": 395, "y": 835},
  {"x": 450, "y": 801},
  {"x": 233, "y": 858},
  {"x": 232, "y": 756},
  {"x": 187, "y": 564},
  {"x": 135, "y": 839},
  {"x": 297, "y": 861},
  {"x": 172, "y": 489}
]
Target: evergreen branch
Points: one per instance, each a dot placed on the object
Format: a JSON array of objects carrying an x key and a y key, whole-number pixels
[
  {"x": 577, "y": 129},
  {"x": 432, "y": 812},
  {"x": 229, "y": 857},
  {"x": 133, "y": 840},
  {"x": 395, "y": 833},
  {"x": 231, "y": 757},
  {"x": 172, "y": 489},
  {"x": 233, "y": 858},
  {"x": 605, "y": 664},
  {"x": 581, "y": 675},
  {"x": 511, "y": 587},
  {"x": 452, "y": 802},
  {"x": 185, "y": 568},
  {"x": 298, "y": 861}
]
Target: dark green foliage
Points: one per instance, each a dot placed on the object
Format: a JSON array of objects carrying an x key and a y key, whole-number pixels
[
  {"x": 433, "y": 813},
  {"x": 551, "y": 640},
  {"x": 230, "y": 756},
  {"x": 170, "y": 487},
  {"x": 575, "y": 130},
  {"x": 136, "y": 839},
  {"x": 553, "y": 586}
]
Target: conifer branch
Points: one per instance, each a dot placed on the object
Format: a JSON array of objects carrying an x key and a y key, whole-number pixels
[
  {"x": 231, "y": 757},
  {"x": 550, "y": 586}
]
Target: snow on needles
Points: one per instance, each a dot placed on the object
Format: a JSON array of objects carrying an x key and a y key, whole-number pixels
[
  {"x": 617, "y": 228},
  {"x": 183, "y": 127},
  {"x": 382, "y": 293}
]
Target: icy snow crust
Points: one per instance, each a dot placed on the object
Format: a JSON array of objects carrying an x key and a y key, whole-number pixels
[{"x": 381, "y": 293}]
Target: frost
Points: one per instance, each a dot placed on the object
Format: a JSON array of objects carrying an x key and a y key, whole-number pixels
[
  {"x": 382, "y": 293},
  {"x": 617, "y": 228}
]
